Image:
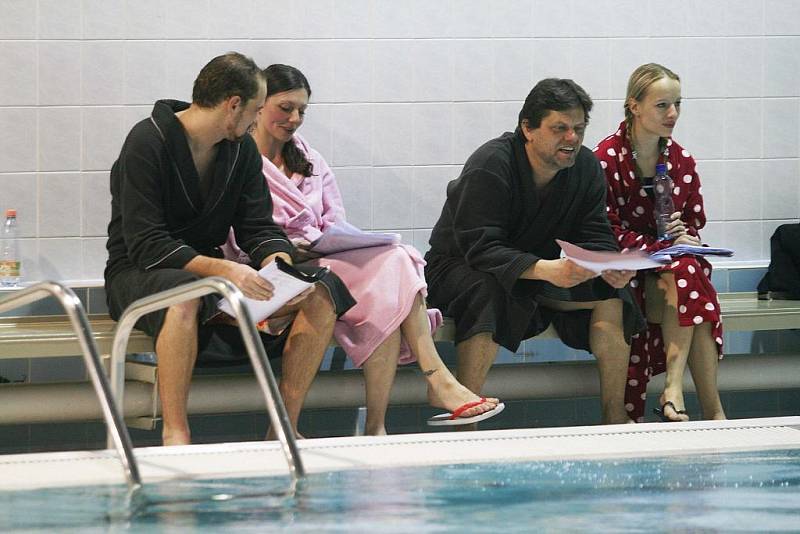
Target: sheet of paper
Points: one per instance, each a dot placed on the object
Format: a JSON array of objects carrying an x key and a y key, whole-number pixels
[
  {"x": 678, "y": 250},
  {"x": 344, "y": 236},
  {"x": 286, "y": 288},
  {"x": 598, "y": 261}
]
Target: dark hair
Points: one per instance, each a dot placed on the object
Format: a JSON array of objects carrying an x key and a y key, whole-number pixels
[
  {"x": 282, "y": 78},
  {"x": 231, "y": 74},
  {"x": 553, "y": 94}
]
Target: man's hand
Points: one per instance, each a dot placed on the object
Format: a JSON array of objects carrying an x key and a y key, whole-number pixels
[
  {"x": 303, "y": 250},
  {"x": 561, "y": 272},
  {"x": 249, "y": 282},
  {"x": 617, "y": 279}
]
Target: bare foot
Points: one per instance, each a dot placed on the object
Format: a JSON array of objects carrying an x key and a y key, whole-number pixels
[
  {"x": 450, "y": 395},
  {"x": 670, "y": 412}
]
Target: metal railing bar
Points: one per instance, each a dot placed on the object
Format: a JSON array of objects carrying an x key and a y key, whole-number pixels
[
  {"x": 119, "y": 438},
  {"x": 253, "y": 345}
]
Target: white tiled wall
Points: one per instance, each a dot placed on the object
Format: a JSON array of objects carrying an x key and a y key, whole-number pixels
[{"x": 404, "y": 91}]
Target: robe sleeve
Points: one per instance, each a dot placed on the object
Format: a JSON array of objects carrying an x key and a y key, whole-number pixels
[
  {"x": 480, "y": 202},
  {"x": 693, "y": 214},
  {"x": 594, "y": 231},
  {"x": 144, "y": 227}
]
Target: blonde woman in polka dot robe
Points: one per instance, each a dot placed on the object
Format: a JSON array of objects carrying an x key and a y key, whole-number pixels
[{"x": 689, "y": 327}]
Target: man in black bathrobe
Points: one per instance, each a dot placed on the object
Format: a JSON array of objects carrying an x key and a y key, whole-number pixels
[
  {"x": 184, "y": 177},
  {"x": 494, "y": 265}
]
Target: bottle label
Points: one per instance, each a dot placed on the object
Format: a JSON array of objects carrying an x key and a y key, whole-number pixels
[{"x": 9, "y": 269}]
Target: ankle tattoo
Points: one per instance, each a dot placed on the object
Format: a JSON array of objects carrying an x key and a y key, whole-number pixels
[{"x": 429, "y": 372}]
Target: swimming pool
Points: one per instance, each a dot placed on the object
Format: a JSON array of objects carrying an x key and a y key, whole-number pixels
[{"x": 735, "y": 475}]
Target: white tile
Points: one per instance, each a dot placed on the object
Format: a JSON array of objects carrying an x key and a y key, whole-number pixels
[
  {"x": 744, "y": 66},
  {"x": 352, "y": 71},
  {"x": 513, "y": 68},
  {"x": 406, "y": 236},
  {"x": 421, "y": 240},
  {"x": 472, "y": 70},
  {"x": 59, "y": 139},
  {"x": 145, "y": 72},
  {"x": 511, "y": 18},
  {"x": 102, "y": 72},
  {"x": 393, "y": 71},
  {"x": 18, "y": 65},
  {"x": 432, "y": 19},
  {"x": 704, "y": 76},
  {"x": 231, "y": 19},
  {"x": 670, "y": 52},
  {"x": 471, "y": 18},
  {"x": 19, "y": 19},
  {"x": 433, "y": 134},
  {"x": 392, "y": 198},
  {"x": 707, "y": 17},
  {"x": 669, "y": 20},
  {"x": 17, "y": 139},
  {"x": 626, "y": 55},
  {"x": 95, "y": 203},
  {"x": 267, "y": 19},
  {"x": 744, "y": 17},
  {"x": 314, "y": 18},
  {"x": 189, "y": 19},
  {"x": 504, "y": 119},
  {"x": 472, "y": 127},
  {"x": 59, "y": 73},
  {"x": 701, "y": 128},
  {"x": 318, "y": 128},
  {"x": 103, "y": 19},
  {"x": 713, "y": 188},
  {"x": 20, "y": 192},
  {"x": 392, "y": 20},
  {"x": 782, "y": 66},
  {"x": 603, "y": 120},
  {"x": 743, "y": 190},
  {"x": 29, "y": 250},
  {"x": 352, "y": 19},
  {"x": 60, "y": 19},
  {"x": 355, "y": 185},
  {"x": 781, "y": 127},
  {"x": 552, "y": 58},
  {"x": 392, "y": 134},
  {"x": 611, "y": 18},
  {"x": 135, "y": 114},
  {"x": 315, "y": 60},
  {"x": 59, "y": 259},
  {"x": 553, "y": 19},
  {"x": 103, "y": 135},
  {"x": 591, "y": 64},
  {"x": 352, "y": 135},
  {"x": 60, "y": 204},
  {"x": 430, "y": 192},
  {"x": 146, "y": 19},
  {"x": 185, "y": 59},
  {"x": 94, "y": 258},
  {"x": 433, "y": 70},
  {"x": 745, "y": 238},
  {"x": 714, "y": 235},
  {"x": 743, "y": 128},
  {"x": 781, "y": 17},
  {"x": 781, "y": 189}
]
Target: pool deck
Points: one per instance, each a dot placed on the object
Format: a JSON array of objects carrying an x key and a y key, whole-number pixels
[{"x": 249, "y": 459}]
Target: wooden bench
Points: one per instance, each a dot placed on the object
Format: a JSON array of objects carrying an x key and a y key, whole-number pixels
[{"x": 224, "y": 392}]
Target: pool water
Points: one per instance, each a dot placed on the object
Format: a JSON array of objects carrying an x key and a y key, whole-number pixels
[{"x": 755, "y": 491}]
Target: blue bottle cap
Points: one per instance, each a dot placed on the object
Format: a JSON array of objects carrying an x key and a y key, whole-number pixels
[{"x": 661, "y": 168}]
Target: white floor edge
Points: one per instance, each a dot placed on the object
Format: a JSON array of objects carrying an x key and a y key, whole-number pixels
[{"x": 248, "y": 459}]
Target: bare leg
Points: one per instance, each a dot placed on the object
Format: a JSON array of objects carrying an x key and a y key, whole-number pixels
[
  {"x": 176, "y": 349},
  {"x": 677, "y": 342},
  {"x": 607, "y": 341},
  {"x": 703, "y": 362},
  {"x": 475, "y": 356},
  {"x": 308, "y": 339},
  {"x": 444, "y": 391},
  {"x": 379, "y": 372}
]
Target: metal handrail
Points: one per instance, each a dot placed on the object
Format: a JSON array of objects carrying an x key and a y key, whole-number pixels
[
  {"x": 253, "y": 345},
  {"x": 118, "y": 433}
]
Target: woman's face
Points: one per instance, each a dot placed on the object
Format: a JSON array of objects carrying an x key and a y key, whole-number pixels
[
  {"x": 658, "y": 111},
  {"x": 282, "y": 114}
]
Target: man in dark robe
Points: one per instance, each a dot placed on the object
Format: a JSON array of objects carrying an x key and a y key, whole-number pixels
[
  {"x": 184, "y": 177},
  {"x": 494, "y": 265}
]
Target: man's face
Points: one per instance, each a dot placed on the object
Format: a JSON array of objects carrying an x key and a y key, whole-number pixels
[
  {"x": 243, "y": 116},
  {"x": 554, "y": 145}
]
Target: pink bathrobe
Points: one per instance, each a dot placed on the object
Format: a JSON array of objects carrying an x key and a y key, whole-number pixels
[{"x": 383, "y": 280}]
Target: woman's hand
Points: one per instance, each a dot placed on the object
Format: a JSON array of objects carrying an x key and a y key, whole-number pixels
[
  {"x": 676, "y": 228},
  {"x": 688, "y": 239}
]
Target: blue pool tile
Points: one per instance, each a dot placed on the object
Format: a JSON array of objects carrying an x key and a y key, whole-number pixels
[
  {"x": 745, "y": 279},
  {"x": 719, "y": 279}
]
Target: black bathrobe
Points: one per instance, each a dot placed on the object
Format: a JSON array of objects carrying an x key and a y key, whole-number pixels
[
  {"x": 163, "y": 215},
  {"x": 495, "y": 225}
]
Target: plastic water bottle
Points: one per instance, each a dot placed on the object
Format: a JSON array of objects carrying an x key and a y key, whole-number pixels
[
  {"x": 10, "y": 264},
  {"x": 664, "y": 207}
]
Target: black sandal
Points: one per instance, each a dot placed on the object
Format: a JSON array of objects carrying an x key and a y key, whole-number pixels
[{"x": 664, "y": 418}]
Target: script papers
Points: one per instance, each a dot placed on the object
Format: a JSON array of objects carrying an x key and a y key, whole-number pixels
[
  {"x": 605, "y": 260},
  {"x": 680, "y": 250},
  {"x": 344, "y": 236}
]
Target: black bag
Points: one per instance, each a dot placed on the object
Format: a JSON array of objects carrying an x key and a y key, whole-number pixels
[{"x": 782, "y": 280}]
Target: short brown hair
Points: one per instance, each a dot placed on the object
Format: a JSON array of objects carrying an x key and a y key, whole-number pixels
[{"x": 231, "y": 74}]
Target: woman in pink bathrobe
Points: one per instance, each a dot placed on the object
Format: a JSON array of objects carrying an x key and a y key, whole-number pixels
[{"x": 390, "y": 323}]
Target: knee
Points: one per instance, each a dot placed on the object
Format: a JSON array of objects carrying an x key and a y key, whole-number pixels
[
  {"x": 184, "y": 312},
  {"x": 319, "y": 304}
]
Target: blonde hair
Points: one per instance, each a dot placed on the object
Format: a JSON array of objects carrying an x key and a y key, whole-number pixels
[{"x": 640, "y": 81}]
